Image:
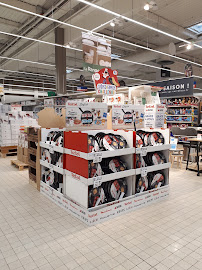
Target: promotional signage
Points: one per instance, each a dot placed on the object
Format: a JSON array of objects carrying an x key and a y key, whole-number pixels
[
  {"x": 176, "y": 88},
  {"x": 125, "y": 116},
  {"x": 85, "y": 115},
  {"x": 154, "y": 115},
  {"x": 96, "y": 52},
  {"x": 106, "y": 81}
]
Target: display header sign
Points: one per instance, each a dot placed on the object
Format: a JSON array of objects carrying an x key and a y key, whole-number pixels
[
  {"x": 106, "y": 81},
  {"x": 176, "y": 88}
]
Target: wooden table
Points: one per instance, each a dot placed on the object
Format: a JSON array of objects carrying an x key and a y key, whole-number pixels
[{"x": 195, "y": 143}]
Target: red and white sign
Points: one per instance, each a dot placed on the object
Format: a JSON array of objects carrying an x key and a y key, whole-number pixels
[{"x": 106, "y": 81}]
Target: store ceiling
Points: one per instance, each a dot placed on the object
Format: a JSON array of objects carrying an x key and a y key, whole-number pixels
[{"x": 172, "y": 16}]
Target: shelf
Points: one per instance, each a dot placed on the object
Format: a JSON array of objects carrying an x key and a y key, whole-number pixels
[
  {"x": 154, "y": 168},
  {"x": 180, "y": 122},
  {"x": 103, "y": 154},
  {"x": 103, "y": 178},
  {"x": 51, "y": 166},
  {"x": 52, "y": 147},
  {"x": 181, "y": 106},
  {"x": 153, "y": 148},
  {"x": 186, "y": 115}
]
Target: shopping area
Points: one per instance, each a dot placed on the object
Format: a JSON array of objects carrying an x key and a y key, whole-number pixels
[{"x": 100, "y": 136}]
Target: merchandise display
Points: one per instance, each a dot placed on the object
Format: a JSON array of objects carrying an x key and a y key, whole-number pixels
[
  {"x": 101, "y": 167},
  {"x": 182, "y": 112},
  {"x": 100, "y": 135}
]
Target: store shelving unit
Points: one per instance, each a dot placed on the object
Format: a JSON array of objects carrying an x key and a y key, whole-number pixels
[
  {"x": 74, "y": 197},
  {"x": 178, "y": 119},
  {"x": 34, "y": 137}
]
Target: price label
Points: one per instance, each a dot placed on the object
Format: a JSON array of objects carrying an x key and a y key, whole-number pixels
[
  {"x": 51, "y": 149},
  {"x": 121, "y": 196},
  {"x": 51, "y": 167},
  {"x": 159, "y": 185},
  {"x": 97, "y": 181},
  {"x": 143, "y": 151},
  {"x": 144, "y": 172},
  {"x": 97, "y": 157}
]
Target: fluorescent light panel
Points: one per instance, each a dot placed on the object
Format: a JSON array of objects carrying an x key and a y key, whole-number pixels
[
  {"x": 86, "y": 30},
  {"x": 136, "y": 22}
]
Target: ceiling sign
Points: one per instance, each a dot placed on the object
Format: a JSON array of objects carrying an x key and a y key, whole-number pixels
[
  {"x": 106, "y": 81},
  {"x": 176, "y": 88}
]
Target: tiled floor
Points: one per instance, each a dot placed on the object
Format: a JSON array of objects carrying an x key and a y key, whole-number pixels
[{"x": 37, "y": 234}]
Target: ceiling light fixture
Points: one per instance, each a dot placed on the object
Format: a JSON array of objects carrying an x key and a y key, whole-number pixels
[
  {"x": 26, "y": 61},
  {"x": 112, "y": 38},
  {"x": 146, "y": 7},
  {"x": 105, "y": 10},
  {"x": 41, "y": 41},
  {"x": 136, "y": 22},
  {"x": 112, "y": 23},
  {"x": 189, "y": 46}
]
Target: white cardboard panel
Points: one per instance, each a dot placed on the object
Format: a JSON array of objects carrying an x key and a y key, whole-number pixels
[{"x": 92, "y": 217}]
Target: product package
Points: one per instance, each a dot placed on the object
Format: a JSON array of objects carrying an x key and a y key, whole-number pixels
[{"x": 86, "y": 116}]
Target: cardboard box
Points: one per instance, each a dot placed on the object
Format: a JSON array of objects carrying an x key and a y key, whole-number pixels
[
  {"x": 20, "y": 153},
  {"x": 25, "y": 159},
  {"x": 25, "y": 151}
]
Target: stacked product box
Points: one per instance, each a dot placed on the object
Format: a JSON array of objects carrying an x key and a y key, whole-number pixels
[{"x": 11, "y": 121}]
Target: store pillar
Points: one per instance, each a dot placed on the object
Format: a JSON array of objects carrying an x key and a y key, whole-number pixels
[{"x": 60, "y": 62}]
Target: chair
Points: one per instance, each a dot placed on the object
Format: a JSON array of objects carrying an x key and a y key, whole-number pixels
[{"x": 177, "y": 154}]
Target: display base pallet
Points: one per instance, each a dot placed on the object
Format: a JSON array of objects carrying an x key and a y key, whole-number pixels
[
  {"x": 108, "y": 211},
  {"x": 19, "y": 164},
  {"x": 8, "y": 150}
]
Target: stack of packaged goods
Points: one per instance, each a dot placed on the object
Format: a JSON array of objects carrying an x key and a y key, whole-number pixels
[
  {"x": 22, "y": 152},
  {"x": 12, "y": 118}
]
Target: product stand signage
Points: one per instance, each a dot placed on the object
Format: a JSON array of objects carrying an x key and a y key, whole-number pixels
[
  {"x": 106, "y": 81},
  {"x": 125, "y": 116},
  {"x": 86, "y": 115},
  {"x": 154, "y": 115},
  {"x": 176, "y": 88}
]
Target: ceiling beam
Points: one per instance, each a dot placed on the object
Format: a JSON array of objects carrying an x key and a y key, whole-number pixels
[
  {"x": 20, "y": 4},
  {"x": 10, "y": 23}
]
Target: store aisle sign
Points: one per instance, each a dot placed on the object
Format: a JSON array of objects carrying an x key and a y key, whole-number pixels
[
  {"x": 176, "y": 88},
  {"x": 106, "y": 81}
]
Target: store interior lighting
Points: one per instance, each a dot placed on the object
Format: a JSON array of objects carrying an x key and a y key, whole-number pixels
[
  {"x": 112, "y": 38},
  {"x": 112, "y": 23},
  {"x": 136, "y": 22},
  {"x": 146, "y": 7}
]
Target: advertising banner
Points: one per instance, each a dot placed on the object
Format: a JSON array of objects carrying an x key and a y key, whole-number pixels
[
  {"x": 106, "y": 81},
  {"x": 176, "y": 88},
  {"x": 96, "y": 52}
]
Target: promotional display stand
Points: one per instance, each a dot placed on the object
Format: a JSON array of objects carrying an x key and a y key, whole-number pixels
[{"x": 78, "y": 183}]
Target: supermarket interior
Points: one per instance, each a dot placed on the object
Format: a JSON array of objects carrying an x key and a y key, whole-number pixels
[{"x": 101, "y": 135}]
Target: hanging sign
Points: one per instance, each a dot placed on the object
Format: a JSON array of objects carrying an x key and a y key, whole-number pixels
[
  {"x": 106, "y": 81},
  {"x": 176, "y": 88},
  {"x": 96, "y": 52}
]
